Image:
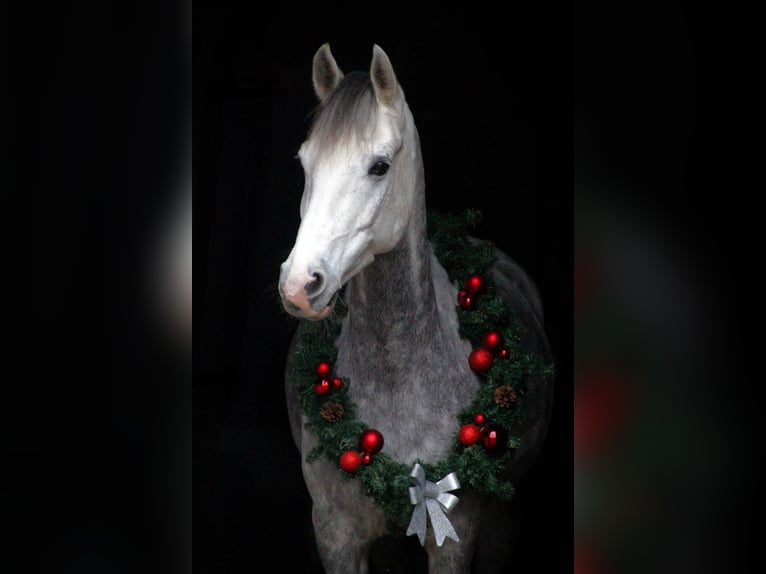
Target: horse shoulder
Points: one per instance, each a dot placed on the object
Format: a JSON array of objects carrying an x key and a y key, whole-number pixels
[{"x": 516, "y": 287}]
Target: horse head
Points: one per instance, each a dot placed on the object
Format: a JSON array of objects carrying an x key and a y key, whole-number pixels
[{"x": 357, "y": 159}]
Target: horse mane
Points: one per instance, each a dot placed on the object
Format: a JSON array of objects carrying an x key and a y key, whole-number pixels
[{"x": 347, "y": 115}]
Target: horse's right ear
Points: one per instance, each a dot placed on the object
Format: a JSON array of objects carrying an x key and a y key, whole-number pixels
[{"x": 326, "y": 73}]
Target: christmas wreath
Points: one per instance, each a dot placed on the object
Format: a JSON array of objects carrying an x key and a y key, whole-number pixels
[{"x": 486, "y": 432}]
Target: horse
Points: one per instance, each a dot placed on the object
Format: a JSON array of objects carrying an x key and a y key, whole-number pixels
[{"x": 363, "y": 229}]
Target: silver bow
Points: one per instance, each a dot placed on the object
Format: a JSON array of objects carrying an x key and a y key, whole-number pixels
[{"x": 435, "y": 497}]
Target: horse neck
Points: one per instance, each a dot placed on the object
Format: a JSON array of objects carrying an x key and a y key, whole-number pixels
[
  {"x": 392, "y": 300},
  {"x": 397, "y": 286},
  {"x": 400, "y": 343}
]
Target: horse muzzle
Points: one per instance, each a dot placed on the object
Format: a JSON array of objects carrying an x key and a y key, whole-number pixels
[{"x": 307, "y": 295}]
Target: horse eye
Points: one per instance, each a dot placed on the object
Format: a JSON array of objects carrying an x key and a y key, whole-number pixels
[{"x": 379, "y": 168}]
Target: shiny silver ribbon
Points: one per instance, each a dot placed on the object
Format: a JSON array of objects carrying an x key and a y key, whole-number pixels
[{"x": 435, "y": 497}]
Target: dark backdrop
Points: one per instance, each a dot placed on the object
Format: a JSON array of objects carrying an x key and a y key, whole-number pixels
[
  {"x": 491, "y": 96},
  {"x": 668, "y": 177},
  {"x": 94, "y": 387}
]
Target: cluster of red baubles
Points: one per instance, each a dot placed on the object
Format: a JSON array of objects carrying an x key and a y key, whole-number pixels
[
  {"x": 493, "y": 438},
  {"x": 325, "y": 382},
  {"x": 480, "y": 360},
  {"x": 466, "y": 297},
  {"x": 370, "y": 442}
]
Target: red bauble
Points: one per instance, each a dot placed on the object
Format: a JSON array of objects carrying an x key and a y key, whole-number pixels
[
  {"x": 350, "y": 461},
  {"x": 474, "y": 284},
  {"x": 464, "y": 299},
  {"x": 366, "y": 459},
  {"x": 337, "y": 383},
  {"x": 469, "y": 434},
  {"x": 371, "y": 441},
  {"x": 494, "y": 439},
  {"x": 503, "y": 353},
  {"x": 492, "y": 341},
  {"x": 480, "y": 419},
  {"x": 323, "y": 386},
  {"x": 323, "y": 369},
  {"x": 480, "y": 360}
]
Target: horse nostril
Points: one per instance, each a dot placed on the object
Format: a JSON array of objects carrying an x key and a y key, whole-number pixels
[
  {"x": 291, "y": 306},
  {"x": 316, "y": 286}
]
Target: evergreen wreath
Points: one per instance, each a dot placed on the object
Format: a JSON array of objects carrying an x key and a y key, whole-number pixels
[{"x": 330, "y": 412}]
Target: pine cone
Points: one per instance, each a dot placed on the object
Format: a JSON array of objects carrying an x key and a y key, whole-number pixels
[
  {"x": 331, "y": 412},
  {"x": 505, "y": 396}
]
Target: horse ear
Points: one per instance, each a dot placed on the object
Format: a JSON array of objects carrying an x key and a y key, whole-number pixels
[
  {"x": 382, "y": 76},
  {"x": 326, "y": 73}
]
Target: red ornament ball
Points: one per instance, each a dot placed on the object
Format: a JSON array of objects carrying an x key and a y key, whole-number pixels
[
  {"x": 480, "y": 360},
  {"x": 371, "y": 441},
  {"x": 504, "y": 353},
  {"x": 337, "y": 383},
  {"x": 469, "y": 434},
  {"x": 350, "y": 461},
  {"x": 464, "y": 299},
  {"x": 366, "y": 459},
  {"x": 480, "y": 419},
  {"x": 494, "y": 439},
  {"x": 323, "y": 386},
  {"x": 323, "y": 369},
  {"x": 492, "y": 341},
  {"x": 474, "y": 284}
]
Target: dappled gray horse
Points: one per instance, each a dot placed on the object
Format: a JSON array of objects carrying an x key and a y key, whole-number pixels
[{"x": 363, "y": 225}]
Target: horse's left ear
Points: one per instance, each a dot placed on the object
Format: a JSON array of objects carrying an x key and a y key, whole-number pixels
[{"x": 383, "y": 77}]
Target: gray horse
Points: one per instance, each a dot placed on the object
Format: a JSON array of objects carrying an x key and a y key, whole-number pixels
[{"x": 363, "y": 225}]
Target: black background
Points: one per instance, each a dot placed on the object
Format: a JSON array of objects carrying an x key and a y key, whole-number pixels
[
  {"x": 668, "y": 139},
  {"x": 96, "y": 471},
  {"x": 491, "y": 96}
]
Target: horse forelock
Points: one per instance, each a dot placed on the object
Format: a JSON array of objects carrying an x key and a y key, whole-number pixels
[{"x": 347, "y": 116}]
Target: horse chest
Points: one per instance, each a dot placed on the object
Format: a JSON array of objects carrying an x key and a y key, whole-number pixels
[{"x": 413, "y": 403}]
